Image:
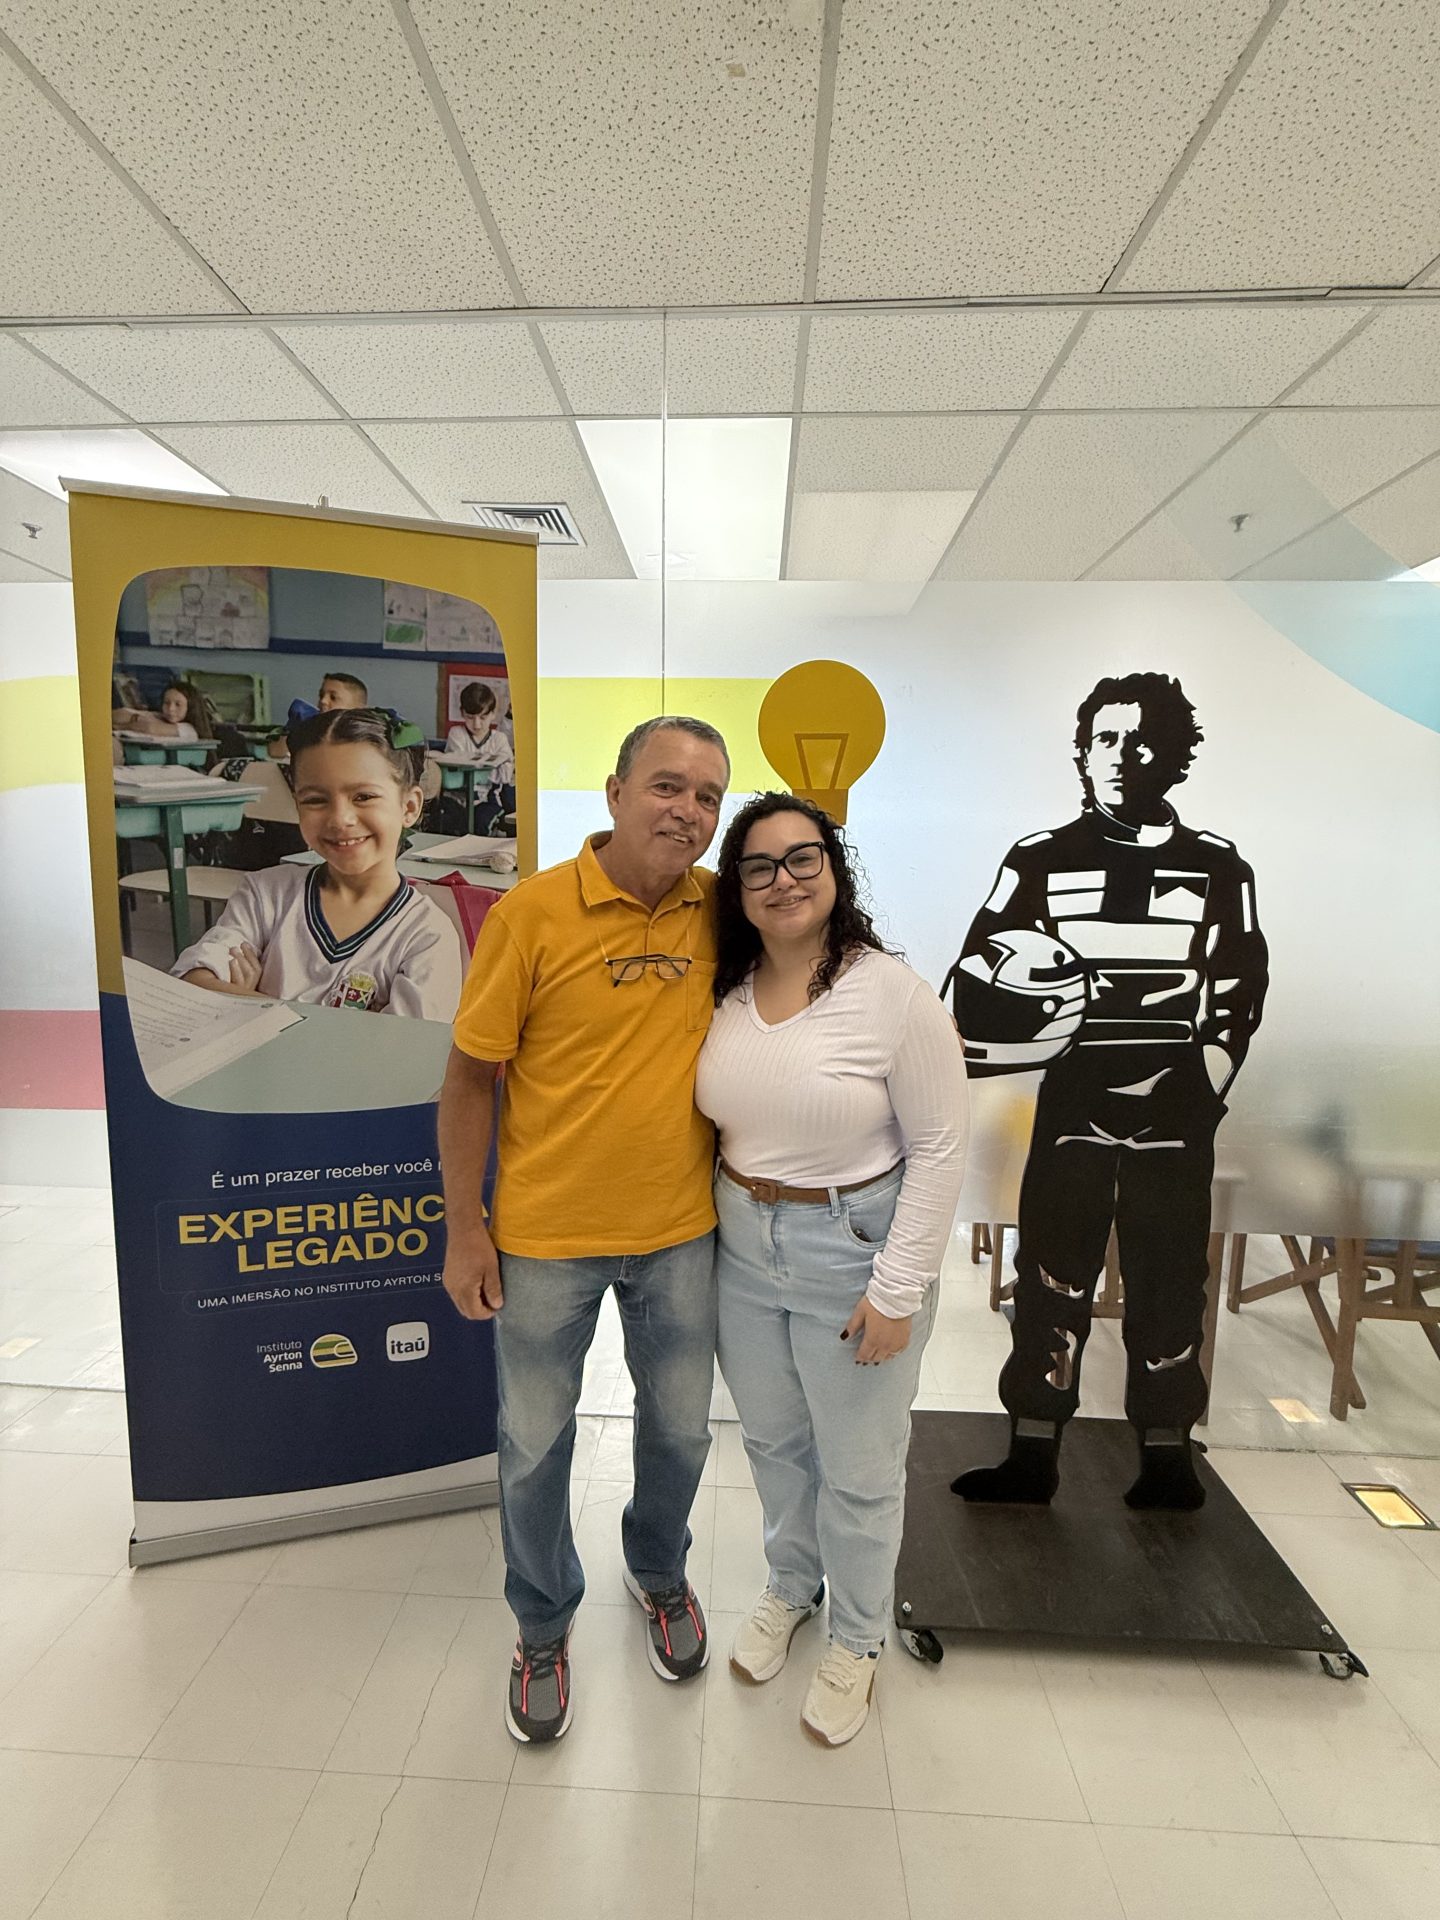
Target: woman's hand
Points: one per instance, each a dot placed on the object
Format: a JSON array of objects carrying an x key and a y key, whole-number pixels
[{"x": 880, "y": 1337}]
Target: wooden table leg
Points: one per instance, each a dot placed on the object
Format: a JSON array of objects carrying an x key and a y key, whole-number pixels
[
  {"x": 1211, "y": 1320},
  {"x": 1235, "y": 1285}
]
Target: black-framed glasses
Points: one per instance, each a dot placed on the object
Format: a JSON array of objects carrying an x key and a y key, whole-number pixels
[
  {"x": 634, "y": 966},
  {"x": 758, "y": 870}
]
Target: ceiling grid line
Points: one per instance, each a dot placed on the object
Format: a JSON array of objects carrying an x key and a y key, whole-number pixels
[
  {"x": 25, "y": 559},
  {"x": 1257, "y": 418},
  {"x": 126, "y": 179},
  {"x": 348, "y": 419},
  {"x": 1013, "y": 440},
  {"x": 126, "y": 422},
  {"x": 1283, "y": 410},
  {"x": 430, "y": 80},
  {"x": 797, "y": 416},
  {"x": 819, "y": 166},
  {"x": 1197, "y": 140},
  {"x": 1340, "y": 513},
  {"x": 440, "y": 106},
  {"x": 1087, "y": 300}
]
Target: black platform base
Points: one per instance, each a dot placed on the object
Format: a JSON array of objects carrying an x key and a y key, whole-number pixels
[{"x": 1086, "y": 1566}]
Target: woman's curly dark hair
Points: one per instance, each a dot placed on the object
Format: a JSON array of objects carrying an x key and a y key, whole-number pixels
[{"x": 738, "y": 943}]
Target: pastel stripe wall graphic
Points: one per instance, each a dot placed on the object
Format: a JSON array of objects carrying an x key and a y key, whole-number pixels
[{"x": 51, "y": 1125}]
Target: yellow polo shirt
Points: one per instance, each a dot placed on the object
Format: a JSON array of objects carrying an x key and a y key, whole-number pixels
[{"x": 601, "y": 1150}]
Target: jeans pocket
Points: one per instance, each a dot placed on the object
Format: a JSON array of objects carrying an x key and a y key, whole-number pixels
[{"x": 866, "y": 1216}]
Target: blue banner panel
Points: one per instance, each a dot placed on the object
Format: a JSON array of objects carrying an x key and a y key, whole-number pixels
[{"x": 284, "y": 1323}]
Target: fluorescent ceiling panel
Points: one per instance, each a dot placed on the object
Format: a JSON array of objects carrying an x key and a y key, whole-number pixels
[
  {"x": 872, "y": 536},
  {"x": 121, "y": 457},
  {"x": 723, "y": 487}
]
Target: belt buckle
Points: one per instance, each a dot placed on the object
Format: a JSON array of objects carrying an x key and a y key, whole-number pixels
[{"x": 767, "y": 1192}]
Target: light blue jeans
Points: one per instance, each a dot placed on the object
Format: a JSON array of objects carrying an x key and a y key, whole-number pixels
[
  {"x": 827, "y": 1439},
  {"x": 543, "y": 1332}
]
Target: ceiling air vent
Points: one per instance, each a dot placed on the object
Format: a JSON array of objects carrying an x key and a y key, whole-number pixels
[{"x": 554, "y": 522}]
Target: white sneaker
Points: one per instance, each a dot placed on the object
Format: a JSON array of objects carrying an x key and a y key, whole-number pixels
[
  {"x": 838, "y": 1703},
  {"x": 763, "y": 1638}
]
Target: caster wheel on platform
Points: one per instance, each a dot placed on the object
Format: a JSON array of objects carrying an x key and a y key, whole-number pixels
[
  {"x": 1343, "y": 1666},
  {"x": 922, "y": 1645}
]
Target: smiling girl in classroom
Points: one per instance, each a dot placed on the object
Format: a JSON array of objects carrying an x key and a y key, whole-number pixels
[
  {"x": 184, "y": 715},
  {"x": 349, "y": 932}
]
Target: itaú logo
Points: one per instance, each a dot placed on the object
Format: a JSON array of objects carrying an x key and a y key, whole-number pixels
[
  {"x": 408, "y": 1340},
  {"x": 333, "y": 1350}
]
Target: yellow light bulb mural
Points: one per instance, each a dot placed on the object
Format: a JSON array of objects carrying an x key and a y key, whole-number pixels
[{"x": 821, "y": 726}]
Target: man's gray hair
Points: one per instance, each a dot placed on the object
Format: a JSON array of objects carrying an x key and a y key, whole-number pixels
[{"x": 682, "y": 723}]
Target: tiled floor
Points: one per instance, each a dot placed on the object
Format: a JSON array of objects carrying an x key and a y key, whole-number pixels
[
  {"x": 59, "y": 1328},
  {"x": 314, "y": 1729}
]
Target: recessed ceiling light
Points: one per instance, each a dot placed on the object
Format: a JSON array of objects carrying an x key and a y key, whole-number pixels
[
  {"x": 117, "y": 456},
  {"x": 723, "y": 484}
]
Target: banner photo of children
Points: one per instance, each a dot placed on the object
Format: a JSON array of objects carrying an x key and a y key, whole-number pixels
[{"x": 311, "y": 834}]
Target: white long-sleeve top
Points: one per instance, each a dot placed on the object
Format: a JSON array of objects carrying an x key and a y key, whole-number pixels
[{"x": 871, "y": 1073}]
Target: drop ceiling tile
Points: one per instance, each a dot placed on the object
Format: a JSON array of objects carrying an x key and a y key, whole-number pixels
[
  {"x": 1290, "y": 473},
  {"x": 611, "y": 369},
  {"x": 21, "y": 503},
  {"x": 1194, "y": 356},
  {"x": 14, "y": 568},
  {"x": 928, "y": 362},
  {"x": 995, "y": 148},
  {"x": 1335, "y": 551},
  {"x": 511, "y": 460},
  {"x": 1156, "y": 551},
  {"x": 296, "y": 462},
  {"x": 447, "y": 369},
  {"x": 1349, "y": 454},
  {"x": 295, "y": 147},
  {"x": 1266, "y": 478},
  {"x": 1321, "y": 169},
  {"x": 636, "y": 155},
  {"x": 1075, "y": 484},
  {"x": 73, "y": 238},
  {"x": 730, "y": 364},
  {"x": 898, "y": 453},
  {"x": 35, "y": 394},
  {"x": 1404, "y": 519},
  {"x": 186, "y": 373},
  {"x": 1395, "y": 361}
]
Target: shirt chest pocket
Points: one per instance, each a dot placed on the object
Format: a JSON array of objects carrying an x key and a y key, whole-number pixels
[{"x": 699, "y": 995}]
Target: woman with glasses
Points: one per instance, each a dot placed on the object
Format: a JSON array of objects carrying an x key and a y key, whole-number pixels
[{"x": 836, "y": 1082}]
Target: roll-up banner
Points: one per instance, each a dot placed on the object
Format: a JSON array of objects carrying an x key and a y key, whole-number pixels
[{"x": 310, "y": 769}]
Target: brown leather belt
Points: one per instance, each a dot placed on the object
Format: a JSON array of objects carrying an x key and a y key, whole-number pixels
[{"x": 770, "y": 1192}]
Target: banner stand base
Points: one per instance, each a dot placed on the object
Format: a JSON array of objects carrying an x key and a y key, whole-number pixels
[
  {"x": 1086, "y": 1567},
  {"x": 159, "y": 1548}
]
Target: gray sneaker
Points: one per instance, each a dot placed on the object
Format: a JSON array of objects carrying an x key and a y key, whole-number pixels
[
  {"x": 538, "y": 1704},
  {"x": 676, "y": 1641}
]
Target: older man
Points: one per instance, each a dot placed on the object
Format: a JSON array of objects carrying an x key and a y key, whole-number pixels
[{"x": 592, "y": 984}]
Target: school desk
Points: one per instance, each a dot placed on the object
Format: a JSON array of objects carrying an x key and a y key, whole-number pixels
[
  {"x": 157, "y": 815},
  {"x": 334, "y": 1060},
  {"x": 459, "y": 770},
  {"x": 156, "y": 750},
  {"x": 412, "y": 869}
]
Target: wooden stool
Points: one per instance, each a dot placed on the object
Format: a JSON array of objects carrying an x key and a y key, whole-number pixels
[{"x": 1414, "y": 1267}]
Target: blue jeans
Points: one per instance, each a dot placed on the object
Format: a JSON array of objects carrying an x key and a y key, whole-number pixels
[
  {"x": 543, "y": 1332},
  {"x": 827, "y": 1439}
]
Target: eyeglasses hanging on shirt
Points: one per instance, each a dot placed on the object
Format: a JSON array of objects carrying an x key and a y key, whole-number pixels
[{"x": 628, "y": 967}]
